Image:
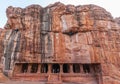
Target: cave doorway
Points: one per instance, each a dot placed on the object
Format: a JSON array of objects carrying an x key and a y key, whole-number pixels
[
  {"x": 66, "y": 68},
  {"x": 44, "y": 68},
  {"x": 34, "y": 68},
  {"x": 24, "y": 67},
  {"x": 86, "y": 68},
  {"x": 76, "y": 68},
  {"x": 55, "y": 68}
]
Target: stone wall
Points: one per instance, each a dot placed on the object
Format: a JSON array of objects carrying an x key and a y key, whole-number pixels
[{"x": 62, "y": 34}]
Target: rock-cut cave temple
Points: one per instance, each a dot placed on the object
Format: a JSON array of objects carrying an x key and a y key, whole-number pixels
[{"x": 61, "y": 44}]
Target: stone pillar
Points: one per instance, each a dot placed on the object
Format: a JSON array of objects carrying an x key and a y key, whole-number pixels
[
  {"x": 49, "y": 68},
  {"x": 17, "y": 68},
  {"x": 81, "y": 68},
  {"x": 39, "y": 68},
  {"x": 20, "y": 68},
  {"x": 61, "y": 68},
  {"x": 71, "y": 68},
  {"x": 29, "y": 68},
  {"x": 91, "y": 69},
  {"x": 99, "y": 78}
]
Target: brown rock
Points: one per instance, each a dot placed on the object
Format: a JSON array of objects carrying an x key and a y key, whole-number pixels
[{"x": 58, "y": 38}]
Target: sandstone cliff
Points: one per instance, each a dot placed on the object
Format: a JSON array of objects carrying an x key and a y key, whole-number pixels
[{"x": 62, "y": 33}]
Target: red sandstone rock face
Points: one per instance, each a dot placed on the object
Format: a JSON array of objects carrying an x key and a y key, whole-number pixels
[{"x": 62, "y": 33}]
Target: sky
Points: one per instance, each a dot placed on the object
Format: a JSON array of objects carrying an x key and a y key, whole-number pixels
[{"x": 111, "y": 6}]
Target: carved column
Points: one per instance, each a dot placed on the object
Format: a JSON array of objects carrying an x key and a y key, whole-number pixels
[
  {"x": 81, "y": 68},
  {"x": 61, "y": 68},
  {"x": 49, "y": 68},
  {"x": 17, "y": 69},
  {"x": 39, "y": 68},
  {"x": 91, "y": 69},
  {"x": 71, "y": 68},
  {"x": 99, "y": 78},
  {"x": 29, "y": 68}
]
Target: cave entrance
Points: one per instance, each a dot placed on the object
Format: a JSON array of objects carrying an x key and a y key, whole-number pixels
[
  {"x": 44, "y": 68},
  {"x": 66, "y": 68},
  {"x": 55, "y": 68},
  {"x": 86, "y": 68},
  {"x": 76, "y": 68},
  {"x": 24, "y": 67},
  {"x": 34, "y": 68}
]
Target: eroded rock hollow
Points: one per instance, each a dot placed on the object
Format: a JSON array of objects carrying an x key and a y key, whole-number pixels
[{"x": 61, "y": 43}]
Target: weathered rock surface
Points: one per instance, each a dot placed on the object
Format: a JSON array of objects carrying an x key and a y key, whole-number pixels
[
  {"x": 63, "y": 34},
  {"x": 117, "y": 20}
]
